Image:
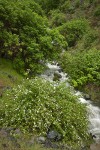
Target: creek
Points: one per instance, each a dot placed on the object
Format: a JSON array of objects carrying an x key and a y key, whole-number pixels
[{"x": 94, "y": 111}]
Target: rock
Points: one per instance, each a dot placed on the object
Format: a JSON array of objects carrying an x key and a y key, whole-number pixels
[
  {"x": 5, "y": 134},
  {"x": 41, "y": 140},
  {"x": 60, "y": 70},
  {"x": 53, "y": 135},
  {"x": 92, "y": 135},
  {"x": 84, "y": 148},
  {"x": 57, "y": 76},
  {"x": 49, "y": 144},
  {"x": 95, "y": 146},
  {"x": 14, "y": 141},
  {"x": 55, "y": 145},
  {"x": 87, "y": 96},
  {"x": 17, "y": 132},
  {"x": 9, "y": 130}
]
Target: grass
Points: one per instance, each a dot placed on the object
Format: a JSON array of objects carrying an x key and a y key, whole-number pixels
[{"x": 8, "y": 76}]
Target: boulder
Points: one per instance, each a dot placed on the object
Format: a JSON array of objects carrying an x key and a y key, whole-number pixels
[
  {"x": 87, "y": 96},
  {"x": 57, "y": 76}
]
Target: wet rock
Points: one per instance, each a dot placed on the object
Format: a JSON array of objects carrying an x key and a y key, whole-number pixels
[
  {"x": 57, "y": 76},
  {"x": 54, "y": 135},
  {"x": 93, "y": 136},
  {"x": 60, "y": 70},
  {"x": 87, "y": 96}
]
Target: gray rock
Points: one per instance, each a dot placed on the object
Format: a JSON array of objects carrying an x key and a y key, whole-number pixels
[
  {"x": 54, "y": 135},
  {"x": 60, "y": 70},
  {"x": 5, "y": 134},
  {"x": 41, "y": 140},
  {"x": 87, "y": 96},
  {"x": 17, "y": 132}
]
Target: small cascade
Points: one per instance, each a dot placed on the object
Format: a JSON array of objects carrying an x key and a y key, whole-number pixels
[
  {"x": 94, "y": 111},
  {"x": 94, "y": 117}
]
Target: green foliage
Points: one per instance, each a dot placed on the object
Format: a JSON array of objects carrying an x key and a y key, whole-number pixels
[
  {"x": 48, "y": 5},
  {"x": 74, "y": 30},
  {"x": 67, "y": 6},
  {"x": 57, "y": 18},
  {"x": 97, "y": 12},
  {"x": 83, "y": 67},
  {"x": 38, "y": 105},
  {"x": 26, "y": 37},
  {"x": 90, "y": 38}
]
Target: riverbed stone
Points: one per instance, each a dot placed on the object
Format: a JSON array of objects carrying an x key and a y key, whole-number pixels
[
  {"x": 57, "y": 76},
  {"x": 87, "y": 96}
]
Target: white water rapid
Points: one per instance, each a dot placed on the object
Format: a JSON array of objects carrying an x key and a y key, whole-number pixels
[{"x": 94, "y": 111}]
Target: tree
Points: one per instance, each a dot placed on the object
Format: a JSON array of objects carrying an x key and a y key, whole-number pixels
[{"x": 25, "y": 35}]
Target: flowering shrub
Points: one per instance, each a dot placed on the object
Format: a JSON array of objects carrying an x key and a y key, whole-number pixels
[{"x": 38, "y": 105}]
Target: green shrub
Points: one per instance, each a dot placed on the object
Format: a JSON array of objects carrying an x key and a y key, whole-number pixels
[
  {"x": 38, "y": 105},
  {"x": 90, "y": 39},
  {"x": 83, "y": 67},
  {"x": 57, "y": 18},
  {"x": 97, "y": 12},
  {"x": 67, "y": 6},
  {"x": 74, "y": 30}
]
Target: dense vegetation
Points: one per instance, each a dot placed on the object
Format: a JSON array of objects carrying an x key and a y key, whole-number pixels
[
  {"x": 26, "y": 37},
  {"x": 31, "y": 107},
  {"x": 84, "y": 69},
  {"x": 34, "y": 32}
]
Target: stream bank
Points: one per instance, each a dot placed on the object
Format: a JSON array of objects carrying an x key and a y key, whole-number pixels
[{"x": 54, "y": 72}]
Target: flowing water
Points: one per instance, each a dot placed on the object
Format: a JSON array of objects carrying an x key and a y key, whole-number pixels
[{"x": 94, "y": 111}]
